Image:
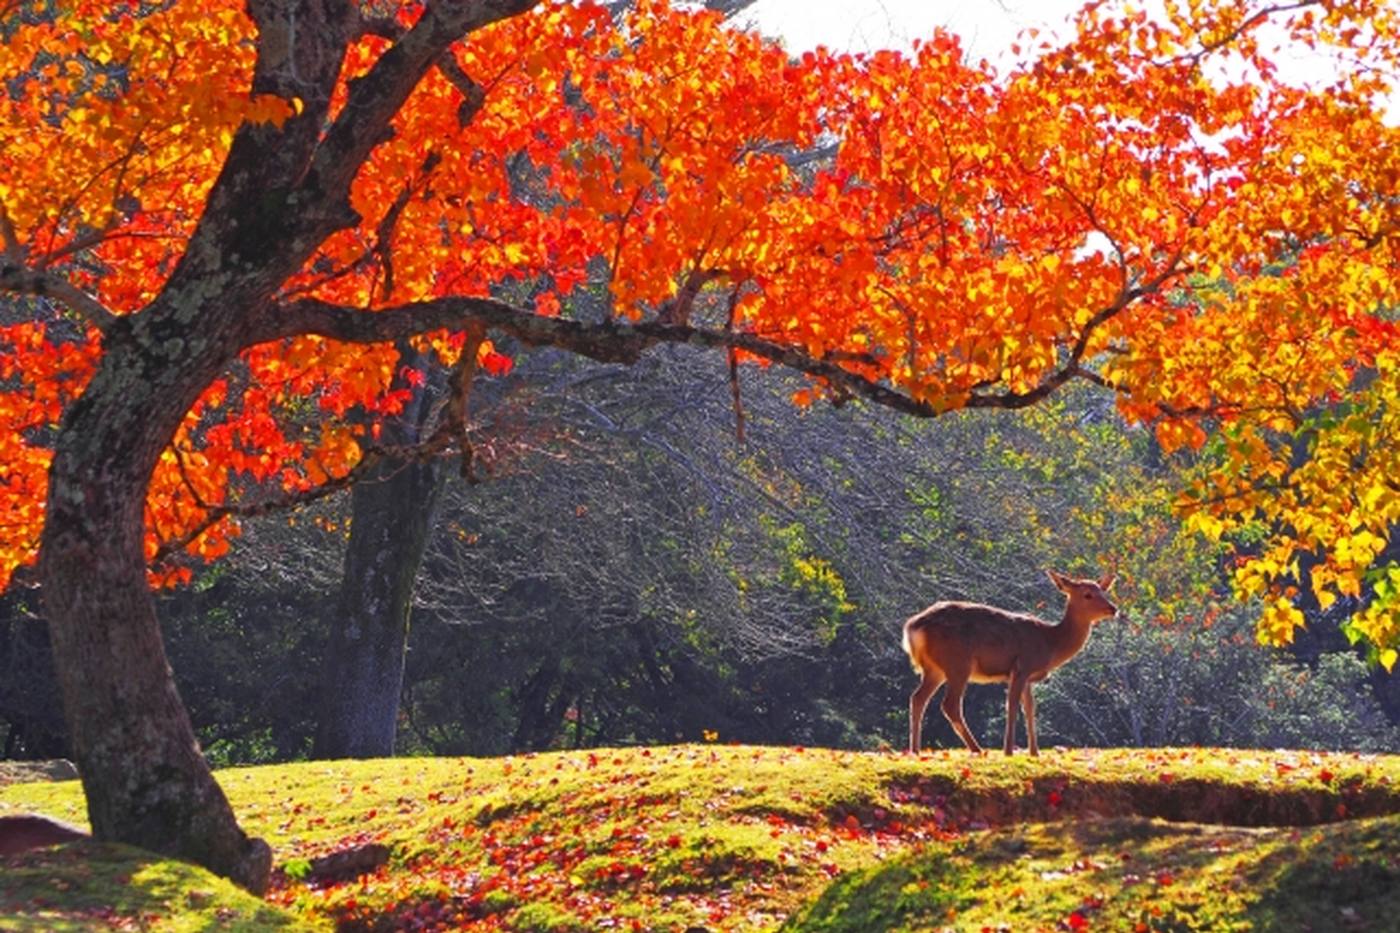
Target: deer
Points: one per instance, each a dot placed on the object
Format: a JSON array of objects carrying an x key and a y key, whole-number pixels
[{"x": 958, "y": 642}]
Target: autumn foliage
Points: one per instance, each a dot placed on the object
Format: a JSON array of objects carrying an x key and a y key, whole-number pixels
[
  {"x": 1154, "y": 206},
  {"x": 1221, "y": 252}
]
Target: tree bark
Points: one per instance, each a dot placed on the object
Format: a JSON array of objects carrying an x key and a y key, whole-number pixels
[
  {"x": 146, "y": 782},
  {"x": 392, "y": 513}
]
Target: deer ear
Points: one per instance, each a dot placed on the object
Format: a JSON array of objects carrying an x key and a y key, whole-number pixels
[
  {"x": 1106, "y": 583},
  {"x": 1060, "y": 580}
]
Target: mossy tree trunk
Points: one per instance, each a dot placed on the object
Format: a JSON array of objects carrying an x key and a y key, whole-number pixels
[{"x": 146, "y": 782}]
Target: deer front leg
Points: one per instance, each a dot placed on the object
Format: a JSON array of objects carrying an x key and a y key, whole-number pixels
[
  {"x": 1028, "y": 705},
  {"x": 1015, "y": 689}
]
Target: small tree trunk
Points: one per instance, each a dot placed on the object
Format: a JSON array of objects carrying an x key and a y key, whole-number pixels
[{"x": 391, "y": 516}]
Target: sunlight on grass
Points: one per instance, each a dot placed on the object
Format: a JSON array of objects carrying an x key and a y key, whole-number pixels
[
  {"x": 86, "y": 885},
  {"x": 743, "y": 837}
]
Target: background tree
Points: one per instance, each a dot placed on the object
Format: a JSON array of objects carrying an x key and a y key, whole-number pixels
[{"x": 393, "y": 510}]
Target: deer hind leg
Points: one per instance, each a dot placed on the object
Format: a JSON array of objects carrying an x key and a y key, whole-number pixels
[
  {"x": 952, "y": 707},
  {"x": 918, "y": 702},
  {"x": 1016, "y": 690}
]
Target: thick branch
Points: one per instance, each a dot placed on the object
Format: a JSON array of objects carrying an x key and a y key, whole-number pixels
[
  {"x": 473, "y": 94},
  {"x": 608, "y": 342},
  {"x": 614, "y": 342},
  {"x": 377, "y": 97}
]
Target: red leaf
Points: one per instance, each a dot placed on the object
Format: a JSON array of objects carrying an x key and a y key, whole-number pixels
[{"x": 497, "y": 364}]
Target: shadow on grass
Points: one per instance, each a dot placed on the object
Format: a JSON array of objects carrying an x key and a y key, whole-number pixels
[
  {"x": 1343, "y": 878},
  {"x": 1130, "y": 874}
]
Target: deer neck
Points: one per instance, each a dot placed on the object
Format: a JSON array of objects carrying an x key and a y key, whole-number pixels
[{"x": 1069, "y": 636}]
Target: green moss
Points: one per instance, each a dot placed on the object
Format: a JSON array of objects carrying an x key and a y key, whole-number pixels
[
  {"x": 546, "y": 918},
  {"x": 1129, "y": 874},
  {"x": 722, "y": 854},
  {"x": 89, "y": 885},
  {"x": 916, "y": 893}
]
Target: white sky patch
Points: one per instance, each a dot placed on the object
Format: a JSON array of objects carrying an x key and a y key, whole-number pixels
[{"x": 987, "y": 27}]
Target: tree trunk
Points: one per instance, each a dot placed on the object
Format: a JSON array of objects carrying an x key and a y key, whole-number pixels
[
  {"x": 391, "y": 516},
  {"x": 146, "y": 782}
]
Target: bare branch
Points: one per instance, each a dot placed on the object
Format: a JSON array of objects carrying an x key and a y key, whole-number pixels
[
  {"x": 1259, "y": 16},
  {"x": 24, "y": 281},
  {"x": 457, "y": 406},
  {"x": 734, "y": 369}
]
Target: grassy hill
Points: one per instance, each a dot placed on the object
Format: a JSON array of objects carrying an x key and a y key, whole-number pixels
[{"x": 755, "y": 838}]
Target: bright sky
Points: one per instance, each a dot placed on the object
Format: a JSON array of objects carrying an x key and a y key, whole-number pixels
[{"x": 987, "y": 27}]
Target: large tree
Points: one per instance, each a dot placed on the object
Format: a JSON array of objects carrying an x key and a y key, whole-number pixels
[{"x": 242, "y": 209}]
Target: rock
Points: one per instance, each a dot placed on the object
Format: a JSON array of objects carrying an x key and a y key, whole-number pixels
[
  {"x": 22, "y": 833},
  {"x": 348, "y": 863}
]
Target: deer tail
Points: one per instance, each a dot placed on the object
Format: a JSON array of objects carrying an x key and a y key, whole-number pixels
[{"x": 909, "y": 648}]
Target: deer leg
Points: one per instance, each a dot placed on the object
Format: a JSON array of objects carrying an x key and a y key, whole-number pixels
[
  {"x": 918, "y": 702},
  {"x": 1014, "y": 691},
  {"x": 1028, "y": 704},
  {"x": 952, "y": 707}
]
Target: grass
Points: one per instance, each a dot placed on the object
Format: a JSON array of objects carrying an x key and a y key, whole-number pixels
[
  {"x": 1128, "y": 874},
  {"x": 746, "y": 838},
  {"x": 87, "y": 886}
]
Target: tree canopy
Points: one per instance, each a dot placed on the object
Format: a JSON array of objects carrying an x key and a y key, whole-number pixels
[{"x": 218, "y": 218}]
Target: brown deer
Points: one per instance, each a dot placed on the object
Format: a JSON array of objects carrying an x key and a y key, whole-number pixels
[{"x": 961, "y": 642}]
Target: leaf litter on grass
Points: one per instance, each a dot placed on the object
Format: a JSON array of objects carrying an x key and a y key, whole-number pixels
[{"x": 743, "y": 837}]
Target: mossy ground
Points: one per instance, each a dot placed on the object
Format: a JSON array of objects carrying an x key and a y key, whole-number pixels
[
  {"x": 86, "y": 886},
  {"x": 743, "y": 838},
  {"x": 1127, "y": 874}
]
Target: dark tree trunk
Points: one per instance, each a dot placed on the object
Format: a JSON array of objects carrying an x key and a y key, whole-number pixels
[
  {"x": 144, "y": 777},
  {"x": 391, "y": 516},
  {"x": 541, "y": 703},
  {"x": 29, "y": 700}
]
